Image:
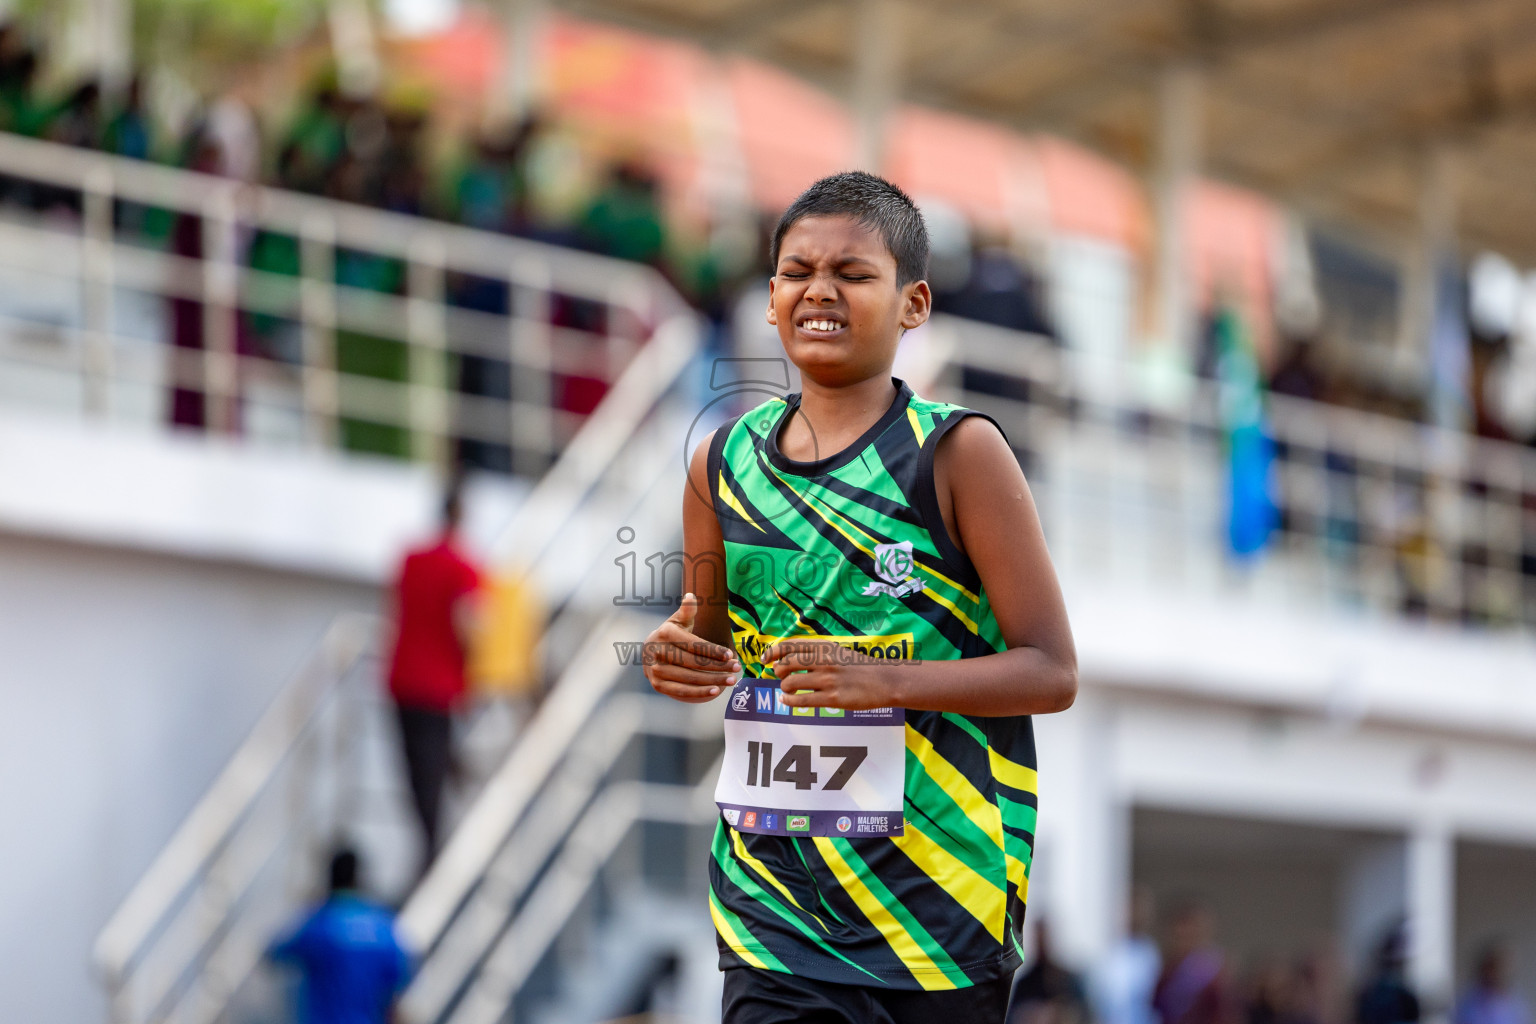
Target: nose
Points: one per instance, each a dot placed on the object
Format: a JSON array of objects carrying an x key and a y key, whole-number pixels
[{"x": 822, "y": 289}]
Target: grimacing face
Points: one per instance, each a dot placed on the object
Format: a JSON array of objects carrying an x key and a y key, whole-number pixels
[{"x": 836, "y": 303}]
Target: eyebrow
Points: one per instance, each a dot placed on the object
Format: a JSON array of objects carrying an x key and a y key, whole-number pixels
[{"x": 841, "y": 261}]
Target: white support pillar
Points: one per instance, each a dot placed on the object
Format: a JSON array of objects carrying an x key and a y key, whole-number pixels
[
  {"x": 1180, "y": 116},
  {"x": 1084, "y": 854},
  {"x": 519, "y": 85},
  {"x": 1436, "y": 333},
  {"x": 112, "y": 24},
  {"x": 1432, "y": 916},
  {"x": 1435, "y": 234},
  {"x": 355, "y": 45},
  {"x": 876, "y": 73}
]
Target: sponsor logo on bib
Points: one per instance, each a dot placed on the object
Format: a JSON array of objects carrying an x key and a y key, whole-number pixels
[
  {"x": 749, "y": 820},
  {"x": 742, "y": 698},
  {"x": 732, "y": 816},
  {"x": 798, "y": 823},
  {"x": 844, "y": 823}
]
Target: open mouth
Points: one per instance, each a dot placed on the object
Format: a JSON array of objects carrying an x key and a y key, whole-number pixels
[{"x": 821, "y": 325}]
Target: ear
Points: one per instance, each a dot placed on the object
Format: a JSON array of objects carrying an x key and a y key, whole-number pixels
[
  {"x": 917, "y": 303},
  {"x": 773, "y": 318}
]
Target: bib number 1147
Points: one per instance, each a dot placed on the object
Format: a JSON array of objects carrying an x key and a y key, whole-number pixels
[{"x": 795, "y": 766}]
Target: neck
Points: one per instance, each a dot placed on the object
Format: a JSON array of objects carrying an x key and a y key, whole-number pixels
[{"x": 843, "y": 413}]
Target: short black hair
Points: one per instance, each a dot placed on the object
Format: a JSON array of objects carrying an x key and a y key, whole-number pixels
[
  {"x": 344, "y": 870},
  {"x": 873, "y": 202}
]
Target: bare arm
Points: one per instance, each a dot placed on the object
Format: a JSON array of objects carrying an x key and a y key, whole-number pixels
[
  {"x": 990, "y": 515},
  {"x": 689, "y": 656}
]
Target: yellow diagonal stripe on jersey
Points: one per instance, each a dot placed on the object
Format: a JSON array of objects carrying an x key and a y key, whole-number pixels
[
  {"x": 818, "y": 505},
  {"x": 978, "y": 808},
  {"x": 731, "y": 936},
  {"x": 727, "y": 496},
  {"x": 1013, "y": 774},
  {"x": 985, "y": 901},
  {"x": 917, "y": 425},
  {"x": 1019, "y": 876},
  {"x": 768, "y": 876},
  {"x": 927, "y": 973},
  {"x": 970, "y": 623}
]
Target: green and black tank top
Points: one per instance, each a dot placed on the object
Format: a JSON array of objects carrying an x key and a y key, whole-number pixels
[{"x": 940, "y": 906}]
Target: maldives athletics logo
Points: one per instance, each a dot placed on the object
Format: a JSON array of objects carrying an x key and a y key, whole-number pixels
[
  {"x": 844, "y": 823},
  {"x": 894, "y": 564}
]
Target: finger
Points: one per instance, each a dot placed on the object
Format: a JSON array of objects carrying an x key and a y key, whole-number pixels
[
  {"x": 684, "y": 691},
  {"x": 784, "y": 648},
  {"x": 687, "y": 611},
  {"x": 810, "y": 699},
  {"x": 692, "y": 676},
  {"x": 671, "y": 633},
  {"x": 804, "y": 674},
  {"x": 694, "y": 653}
]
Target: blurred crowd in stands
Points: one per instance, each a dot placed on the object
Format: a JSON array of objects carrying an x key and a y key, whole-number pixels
[
  {"x": 1187, "y": 978},
  {"x": 390, "y": 154}
]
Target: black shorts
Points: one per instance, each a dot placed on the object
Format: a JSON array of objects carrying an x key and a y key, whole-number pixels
[{"x": 754, "y": 996}]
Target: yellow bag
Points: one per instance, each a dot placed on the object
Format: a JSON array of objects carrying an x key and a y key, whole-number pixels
[{"x": 504, "y": 659}]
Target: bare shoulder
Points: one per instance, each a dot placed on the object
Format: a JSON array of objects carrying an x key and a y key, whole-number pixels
[
  {"x": 698, "y": 462},
  {"x": 974, "y": 445}
]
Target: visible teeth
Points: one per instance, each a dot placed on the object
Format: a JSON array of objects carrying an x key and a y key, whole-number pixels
[{"x": 821, "y": 325}]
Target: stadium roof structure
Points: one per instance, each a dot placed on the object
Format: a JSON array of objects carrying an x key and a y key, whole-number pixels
[{"x": 1344, "y": 108}]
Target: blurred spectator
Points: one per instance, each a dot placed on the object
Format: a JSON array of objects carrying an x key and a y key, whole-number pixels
[
  {"x": 1047, "y": 993},
  {"x": 1121, "y": 986},
  {"x": 189, "y": 407},
  {"x": 315, "y": 141},
  {"x": 1386, "y": 997},
  {"x": 1492, "y": 1000},
  {"x": 402, "y": 170},
  {"x": 1194, "y": 987},
  {"x": 78, "y": 121},
  {"x": 624, "y": 219},
  {"x": 999, "y": 290},
  {"x": 433, "y": 618},
  {"x": 486, "y": 186},
  {"x": 232, "y": 128},
  {"x": 351, "y": 962},
  {"x": 128, "y": 132},
  {"x": 1298, "y": 374}
]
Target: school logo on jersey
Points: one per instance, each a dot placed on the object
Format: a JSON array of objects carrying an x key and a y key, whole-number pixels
[{"x": 894, "y": 564}]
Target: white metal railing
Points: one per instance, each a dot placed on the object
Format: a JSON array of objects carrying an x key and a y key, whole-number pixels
[
  {"x": 179, "y": 943},
  {"x": 366, "y": 329},
  {"x": 1374, "y": 512},
  {"x": 193, "y": 983},
  {"x": 465, "y": 910}
]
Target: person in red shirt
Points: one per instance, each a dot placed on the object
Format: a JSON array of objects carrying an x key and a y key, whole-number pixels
[{"x": 434, "y": 612}]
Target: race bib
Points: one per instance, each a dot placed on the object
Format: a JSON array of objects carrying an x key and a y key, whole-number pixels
[{"x": 810, "y": 771}]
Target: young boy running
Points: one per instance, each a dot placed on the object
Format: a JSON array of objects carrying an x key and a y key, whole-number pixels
[{"x": 886, "y": 622}]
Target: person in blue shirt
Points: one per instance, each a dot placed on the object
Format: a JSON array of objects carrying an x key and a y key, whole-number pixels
[{"x": 351, "y": 962}]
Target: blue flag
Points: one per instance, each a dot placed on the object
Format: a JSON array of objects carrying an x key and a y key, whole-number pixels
[{"x": 1251, "y": 512}]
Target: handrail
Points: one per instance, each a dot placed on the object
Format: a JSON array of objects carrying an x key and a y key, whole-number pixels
[
  {"x": 570, "y": 704},
  {"x": 201, "y": 836},
  {"x": 595, "y": 448},
  {"x": 526, "y": 544},
  {"x": 589, "y": 847},
  {"x": 547, "y": 818},
  {"x": 586, "y": 275}
]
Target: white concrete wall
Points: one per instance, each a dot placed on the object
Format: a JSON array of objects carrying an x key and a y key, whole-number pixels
[{"x": 127, "y": 680}]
